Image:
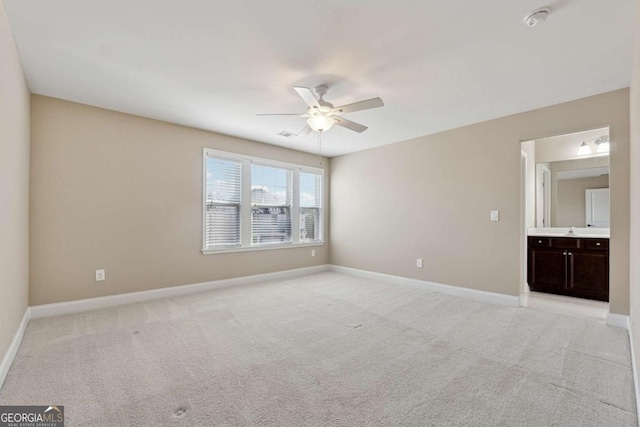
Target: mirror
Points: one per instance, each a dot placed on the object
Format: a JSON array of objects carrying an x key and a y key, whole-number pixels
[
  {"x": 572, "y": 180},
  {"x": 574, "y": 192}
]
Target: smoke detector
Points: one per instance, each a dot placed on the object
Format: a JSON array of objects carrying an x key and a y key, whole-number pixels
[{"x": 537, "y": 17}]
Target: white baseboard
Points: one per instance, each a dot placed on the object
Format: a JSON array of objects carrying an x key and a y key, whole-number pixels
[
  {"x": 618, "y": 320},
  {"x": 68, "y": 307},
  {"x": 14, "y": 346},
  {"x": 77, "y": 306},
  {"x": 634, "y": 367},
  {"x": 456, "y": 291}
]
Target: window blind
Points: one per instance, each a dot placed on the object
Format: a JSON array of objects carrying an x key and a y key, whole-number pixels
[
  {"x": 223, "y": 203},
  {"x": 310, "y": 206},
  {"x": 271, "y": 200}
]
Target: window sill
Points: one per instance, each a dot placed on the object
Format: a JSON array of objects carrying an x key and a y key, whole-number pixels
[{"x": 261, "y": 248}]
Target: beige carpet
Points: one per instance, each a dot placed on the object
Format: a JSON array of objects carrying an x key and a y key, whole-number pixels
[{"x": 326, "y": 349}]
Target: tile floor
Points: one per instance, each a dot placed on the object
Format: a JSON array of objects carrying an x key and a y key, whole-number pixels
[{"x": 569, "y": 306}]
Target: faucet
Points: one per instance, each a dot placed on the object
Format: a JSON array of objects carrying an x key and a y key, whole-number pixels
[{"x": 572, "y": 231}]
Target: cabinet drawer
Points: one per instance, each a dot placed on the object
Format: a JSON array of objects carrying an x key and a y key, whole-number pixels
[
  {"x": 595, "y": 244},
  {"x": 565, "y": 243},
  {"x": 540, "y": 242}
]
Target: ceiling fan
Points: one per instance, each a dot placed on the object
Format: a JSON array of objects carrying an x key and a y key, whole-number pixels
[{"x": 322, "y": 115}]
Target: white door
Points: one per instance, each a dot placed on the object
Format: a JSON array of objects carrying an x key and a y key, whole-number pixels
[
  {"x": 543, "y": 196},
  {"x": 597, "y": 202}
]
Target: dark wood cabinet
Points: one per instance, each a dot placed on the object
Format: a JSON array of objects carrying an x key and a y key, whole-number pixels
[
  {"x": 569, "y": 266},
  {"x": 547, "y": 269}
]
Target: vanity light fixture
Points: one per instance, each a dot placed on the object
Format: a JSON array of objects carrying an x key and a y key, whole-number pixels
[
  {"x": 603, "y": 144},
  {"x": 584, "y": 149}
]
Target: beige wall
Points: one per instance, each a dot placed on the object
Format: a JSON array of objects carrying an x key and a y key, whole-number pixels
[
  {"x": 571, "y": 207},
  {"x": 124, "y": 193},
  {"x": 430, "y": 198},
  {"x": 14, "y": 187},
  {"x": 635, "y": 190}
]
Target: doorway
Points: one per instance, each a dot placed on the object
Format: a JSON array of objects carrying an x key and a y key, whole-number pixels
[{"x": 564, "y": 196}]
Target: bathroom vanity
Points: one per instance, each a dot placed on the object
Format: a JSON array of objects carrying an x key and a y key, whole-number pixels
[{"x": 576, "y": 266}]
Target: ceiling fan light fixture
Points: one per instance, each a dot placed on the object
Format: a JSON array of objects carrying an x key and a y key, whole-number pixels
[
  {"x": 320, "y": 122},
  {"x": 584, "y": 149}
]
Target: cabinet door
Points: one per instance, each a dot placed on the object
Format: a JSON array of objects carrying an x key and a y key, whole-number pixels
[
  {"x": 547, "y": 269},
  {"x": 588, "y": 274}
]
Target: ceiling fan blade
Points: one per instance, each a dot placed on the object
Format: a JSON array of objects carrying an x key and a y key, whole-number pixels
[
  {"x": 305, "y": 131},
  {"x": 307, "y": 95},
  {"x": 359, "y": 106},
  {"x": 357, "y": 127},
  {"x": 284, "y": 114}
]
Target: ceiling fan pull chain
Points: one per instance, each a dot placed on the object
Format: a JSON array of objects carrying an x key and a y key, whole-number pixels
[{"x": 319, "y": 147}]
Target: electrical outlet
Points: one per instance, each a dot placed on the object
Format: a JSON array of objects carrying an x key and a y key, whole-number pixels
[
  {"x": 495, "y": 215},
  {"x": 100, "y": 275},
  {"x": 313, "y": 252},
  {"x": 419, "y": 263}
]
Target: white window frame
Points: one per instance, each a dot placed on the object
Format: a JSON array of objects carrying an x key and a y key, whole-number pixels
[{"x": 246, "y": 205}]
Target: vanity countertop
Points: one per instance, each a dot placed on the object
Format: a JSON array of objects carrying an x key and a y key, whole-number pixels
[
  {"x": 577, "y": 235},
  {"x": 585, "y": 233}
]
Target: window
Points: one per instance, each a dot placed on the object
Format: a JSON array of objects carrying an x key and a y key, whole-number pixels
[
  {"x": 271, "y": 193},
  {"x": 310, "y": 204},
  {"x": 222, "y": 203},
  {"x": 252, "y": 203}
]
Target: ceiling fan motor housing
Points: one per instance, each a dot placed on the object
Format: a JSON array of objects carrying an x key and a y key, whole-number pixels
[{"x": 324, "y": 108}]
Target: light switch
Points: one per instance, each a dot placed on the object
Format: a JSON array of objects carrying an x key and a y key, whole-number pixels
[
  {"x": 419, "y": 263},
  {"x": 495, "y": 215}
]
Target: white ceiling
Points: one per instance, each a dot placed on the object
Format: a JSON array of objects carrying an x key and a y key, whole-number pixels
[
  {"x": 213, "y": 65},
  {"x": 583, "y": 173}
]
